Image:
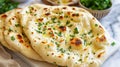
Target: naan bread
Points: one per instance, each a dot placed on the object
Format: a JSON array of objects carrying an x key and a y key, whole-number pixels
[
  {"x": 2, "y": 40},
  {"x": 66, "y": 36},
  {"x": 15, "y": 37}
]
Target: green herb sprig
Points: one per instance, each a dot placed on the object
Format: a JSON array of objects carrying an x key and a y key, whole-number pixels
[
  {"x": 96, "y": 4},
  {"x": 6, "y": 5}
]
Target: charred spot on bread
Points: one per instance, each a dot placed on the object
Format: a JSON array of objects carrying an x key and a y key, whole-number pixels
[{"x": 75, "y": 41}]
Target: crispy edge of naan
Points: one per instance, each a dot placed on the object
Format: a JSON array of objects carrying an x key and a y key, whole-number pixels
[{"x": 2, "y": 40}]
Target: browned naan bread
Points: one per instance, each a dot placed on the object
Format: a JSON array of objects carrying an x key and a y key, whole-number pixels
[
  {"x": 12, "y": 36},
  {"x": 66, "y": 36},
  {"x": 62, "y": 35}
]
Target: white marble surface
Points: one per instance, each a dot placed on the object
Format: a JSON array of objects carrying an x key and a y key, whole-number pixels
[{"x": 112, "y": 23}]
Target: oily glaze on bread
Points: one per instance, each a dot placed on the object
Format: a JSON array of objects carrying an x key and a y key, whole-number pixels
[{"x": 66, "y": 36}]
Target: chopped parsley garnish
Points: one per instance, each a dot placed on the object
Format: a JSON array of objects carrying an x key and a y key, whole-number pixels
[
  {"x": 59, "y": 22},
  {"x": 62, "y": 50},
  {"x": 80, "y": 60},
  {"x": 12, "y": 38},
  {"x": 69, "y": 57},
  {"x": 39, "y": 24},
  {"x": 97, "y": 33},
  {"x": 84, "y": 42},
  {"x": 47, "y": 54},
  {"x": 68, "y": 22},
  {"x": 72, "y": 35},
  {"x": 59, "y": 34},
  {"x": 53, "y": 28},
  {"x": 90, "y": 32},
  {"x": 44, "y": 29},
  {"x": 17, "y": 25},
  {"x": 48, "y": 46},
  {"x": 96, "y": 25},
  {"x": 38, "y": 31},
  {"x": 6, "y": 5},
  {"x": 113, "y": 44},
  {"x": 69, "y": 48},
  {"x": 66, "y": 16},
  {"x": 77, "y": 14},
  {"x": 35, "y": 14},
  {"x": 60, "y": 12},
  {"x": 96, "y": 4},
  {"x": 53, "y": 19},
  {"x": 70, "y": 25},
  {"x": 76, "y": 31},
  {"x": 9, "y": 29},
  {"x": 39, "y": 28},
  {"x": 57, "y": 44}
]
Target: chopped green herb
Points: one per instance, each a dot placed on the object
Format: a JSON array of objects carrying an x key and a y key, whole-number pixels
[
  {"x": 48, "y": 46},
  {"x": 83, "y": 34},
  {"x": 113, "y": 44},
  {"x": 10, "y": 30},
  {"x": 69, "y": 48},
  {"x": 44, "y": 29},
  {"x": 17, "y": 25},
  {"x": 90, "y": 43},
  {"x": 68, "y": 53},
  {"x": 96, "y": 25},
  {"x": 38, "y": 31},
  {"x": 54, "y": 62},
  {"x": 60, "y": 12},
  {"x": 27, "y": 12},
  {"x": 53, "y": 19},
  {"x": 39, "y": 24},
  {"x": 47, "y": 54},
  {"x": 62, "y": 50},
  {"x": 53, "y": 28},
  {"x": 70, "y": 25},
  {"x": 97, "y": 33},
  {"x": 35, "y": 14},
  {"x": 90, "y": 32},
  {"x": 6, "y": 5},
  {"x": 12, "y": 38},
  {"x": 52, "y": 41},
  {"x": 43, "y": 32},
  {"x": 59, "y": 22},
  {"x": 72, "y": 35},
  {"x": 84, "y": 42},
  {"x": 66, "y": 16},
  {"x": 57, "y": 44},
  {"x": 92, "y": 36},
  {"x": 68, "y": 22},
  {"x": 71, "y": 18},
  {"x": 39, "y": 28},
  {"x": 76, "y": 31},
  {"x": 69, "y": 57},
  {"x": 59, "y": 34},
  {"x": 96, "y": 4},
  {"x": 77, "y": 14},
  {"x": 80, "y": 60}
]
